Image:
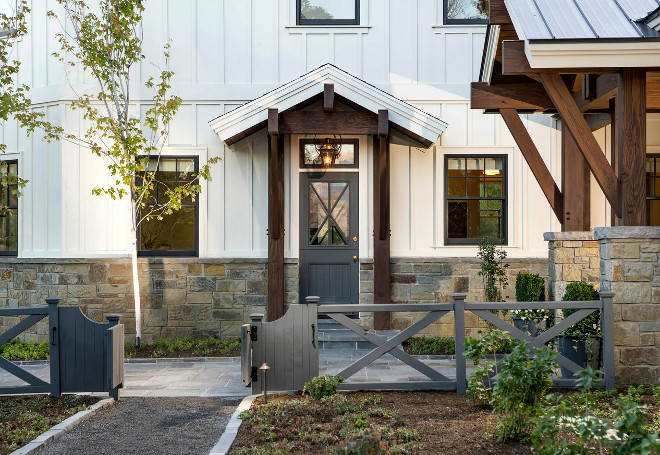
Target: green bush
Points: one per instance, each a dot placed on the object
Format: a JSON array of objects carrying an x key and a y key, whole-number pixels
[
  {"x": 530, "y": 288},
  {"x": 322, "y": 386},
  {"x": 367, "y": 442},
  {"x": 493, "y": 269},
  {"x": 577, "y": 292},
  {"x": 21, "y": 350},
  {"x": 520, "y": 389},
  {"x": 186, "y": 347},
  {"x": 431, "y": 346}
]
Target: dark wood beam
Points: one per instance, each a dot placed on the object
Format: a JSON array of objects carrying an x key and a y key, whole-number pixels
[
  {"x": 535, "y": 161},
  {"x": 614, "y": 153},
  {"x": 328, "y": 97},
  {"x": 497, "y": 13},
  {"x": 593, "y": 154},
  {"x": 601, "y": 89},
  {"x": 514, "y": 61},
  {"x": 576, "y": 185},
  {"x": 597, "y": 121},
  {"x": 381, "y": 178},
  {"x": 631, "y": 136},
  {"x": 528, "y": 97},
  {"x": 275, "y": 302},
  {"x": 338, "y": 122},
  {"x": 383, "y": 122}
]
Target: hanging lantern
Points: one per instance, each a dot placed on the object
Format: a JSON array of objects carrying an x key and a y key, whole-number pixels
[{"x": 329, "y": 152}]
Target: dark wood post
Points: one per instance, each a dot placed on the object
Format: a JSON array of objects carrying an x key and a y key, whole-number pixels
[
  {"x": 275, "y": 303},
  {"x": 576, "y": 185},
  {"x": 614, "y": 151},
  {"x": 631, "y": 144},
  {"x": 381, "y": 150}
]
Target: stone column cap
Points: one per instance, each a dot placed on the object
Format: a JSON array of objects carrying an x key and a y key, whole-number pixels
[
  {"x": 575, "y": 235},
  {"x": 627, "y": 232}
]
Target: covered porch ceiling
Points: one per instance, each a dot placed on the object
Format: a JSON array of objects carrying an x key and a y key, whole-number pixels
[
  {"x": 329, "y": 83},
  {"x": 592, "y": 64}
]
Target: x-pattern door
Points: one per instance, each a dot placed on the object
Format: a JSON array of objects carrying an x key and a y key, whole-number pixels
[{"x": 329, "y": 244}]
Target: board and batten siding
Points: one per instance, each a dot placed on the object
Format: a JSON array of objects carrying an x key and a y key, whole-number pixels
[{"x": 227, "y": 52}]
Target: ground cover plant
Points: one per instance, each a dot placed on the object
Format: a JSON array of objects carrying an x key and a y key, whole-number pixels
[
  {"x": 21, "y": 350},
  {"x": 186, "y": 347},
  {"x": 24, "y": 418}
]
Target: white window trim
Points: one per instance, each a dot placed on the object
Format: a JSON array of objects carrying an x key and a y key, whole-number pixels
[{"x": 295, "y": 29}]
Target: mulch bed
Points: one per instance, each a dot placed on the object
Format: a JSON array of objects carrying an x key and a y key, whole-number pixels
[
  {"x": 447, "y": 423},
  {"x": 24, "y": 418}
]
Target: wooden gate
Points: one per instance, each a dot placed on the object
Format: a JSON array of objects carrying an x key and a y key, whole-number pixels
[{"x": 288, "y": 345}]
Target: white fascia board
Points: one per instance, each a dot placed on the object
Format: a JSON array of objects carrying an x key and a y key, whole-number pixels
[
  {"x": 346, "y": 85},
  {"x": 491, "y": 50},
  {"x": 593, "y": 54}
]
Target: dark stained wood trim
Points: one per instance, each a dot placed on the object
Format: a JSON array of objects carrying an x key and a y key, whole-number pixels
[
  {"x": 598, "y": 121},
  {"x": 498, "y": 14},
  {"x": 601, "y": 89},
  {"x": 576, "y": 185},
  {"x": 514, "y": 61},
  {"x": 614, "y": 152},
  {"x": 381, "y": 189},
  {"x": 631, "y": 136},
  {"x": 529, "y": 97},
  {"x": 338, "y": 122},
  {"x": 273, "y": 121},
  {"x": 328, "y": 97},
  {"x": 593, "y": 154},
  {"x": 275, "y": 303},
  {"x": 535, "y": 161},
  {"x": 589, "y": 86},
  {"x": 383, "y": 122}
]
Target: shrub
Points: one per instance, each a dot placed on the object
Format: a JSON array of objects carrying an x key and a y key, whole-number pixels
[
  {"x": 493, "y": 269},
  {"x": 520, "y": 389},
  {"x": 431, "y": 346},
  {"x": 366, "y": 442},
  {"x": 581, "y": 291},
  {"x": 21, "y": 350},
  {"x": 322, "y": 386},
  {"x": 530, "y": 288}
]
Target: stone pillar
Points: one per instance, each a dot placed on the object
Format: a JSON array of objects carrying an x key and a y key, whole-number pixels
[
  {"x": 572, "y": 256},
  {"x": 630, "y": 267}
]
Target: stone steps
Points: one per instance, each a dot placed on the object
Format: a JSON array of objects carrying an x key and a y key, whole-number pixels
[{"x": 335, "y": 336}]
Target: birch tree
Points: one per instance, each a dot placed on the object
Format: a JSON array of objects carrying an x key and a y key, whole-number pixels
[{"x": 107, "y": 44}]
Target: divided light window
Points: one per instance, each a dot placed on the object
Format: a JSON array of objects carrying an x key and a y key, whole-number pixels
[
  {"x": 475, "y": 189},
  {"x": 328, "y": 12},
  {"x": 9, "y": 209},
  {"x": 466, "y": 12},
  {"x": 177, "y": 233},
  {"x": 653, "y": 190}
]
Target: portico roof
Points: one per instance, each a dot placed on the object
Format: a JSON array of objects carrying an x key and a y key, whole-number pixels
[{"x": 404, "y": 117}]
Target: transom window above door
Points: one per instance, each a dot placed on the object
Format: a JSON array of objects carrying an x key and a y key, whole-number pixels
[
  {"x": 328, "y": 12},
  {"x": 310, "y": 158},
  {"x": 475, "y": 188}
]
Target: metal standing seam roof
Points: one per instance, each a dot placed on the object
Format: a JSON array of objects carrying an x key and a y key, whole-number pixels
[{"x": 584, "y": 19}]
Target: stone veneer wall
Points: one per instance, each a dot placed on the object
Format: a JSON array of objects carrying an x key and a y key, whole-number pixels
[
  {"x": 572, "y": 256},
  {"x": 630, "y": 267},
  {"x": 180, "y": 296},
  {"x": 428, "y": 280}
]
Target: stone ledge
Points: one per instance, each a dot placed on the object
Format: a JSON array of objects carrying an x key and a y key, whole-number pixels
[
  {"x": 627, "y": 232},
  {"x": 560, "y": 236}
]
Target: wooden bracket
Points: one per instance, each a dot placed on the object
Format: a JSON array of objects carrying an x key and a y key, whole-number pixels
[
  {"x": 328, "y": 97},
  {"x": 273, "y": 122},
  {"x": 383, "y": 122}
]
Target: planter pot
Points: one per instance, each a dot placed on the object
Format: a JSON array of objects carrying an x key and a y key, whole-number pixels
[
  {"x": 581, "y": 351},
  {"x": 532, "y": 327}
]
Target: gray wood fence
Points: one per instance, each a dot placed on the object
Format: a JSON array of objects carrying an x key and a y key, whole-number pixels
[{"x": 85, "y": 356}]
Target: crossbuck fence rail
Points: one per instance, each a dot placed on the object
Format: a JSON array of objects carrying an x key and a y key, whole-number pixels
[
  {"x": 85, "y": 356},
  {"x": 303, "y": 319}
]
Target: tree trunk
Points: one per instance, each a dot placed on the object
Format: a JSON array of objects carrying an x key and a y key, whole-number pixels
[{"x": 136, "y": 283}]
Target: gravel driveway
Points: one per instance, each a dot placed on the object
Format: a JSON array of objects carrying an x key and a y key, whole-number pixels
[{"x": 158, "y": 426}]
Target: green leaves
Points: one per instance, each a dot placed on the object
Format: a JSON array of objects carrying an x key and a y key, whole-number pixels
[{"x": 493, "y": 270}]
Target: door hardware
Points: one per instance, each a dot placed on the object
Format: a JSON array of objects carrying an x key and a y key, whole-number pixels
[
  {"x": 355, "y": 258},
  {"x": 355, "y": 239}
]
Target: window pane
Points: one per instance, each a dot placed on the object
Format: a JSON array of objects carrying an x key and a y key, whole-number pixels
[
  {"x": 327, "y": 9},
  {"x": 471, "y": 219},
  {"x": 175, "y": 232},
  {"x": 167, "y": 168},
  {"x": 9, "y": 231},
  {"x": 311, "y": 157},
  {"x": 653, "y": 212},
  {"x": 340, "y": 213},
  {"x": 185, "y": 170},
  {"x": 347, "y": 155},
  {"x": 475, "y": 188},
  {"x": 318, "y": 215},
  {"x": 467, "y": 9},
  {"x": 650, "y": 191},
  {"x": 456, "y": 187},
  {"x": 456, "y": 167},
  {"x": 475, "y": 167},
  {"x": 13, "y": 197},
  {"x": 493, "y": 188}
]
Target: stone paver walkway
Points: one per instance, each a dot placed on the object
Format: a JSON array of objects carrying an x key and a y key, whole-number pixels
[{"x": 222, "y": 377}]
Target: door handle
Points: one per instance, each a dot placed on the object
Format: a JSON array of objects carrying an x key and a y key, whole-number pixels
[
  {"x": 355, "y": 258},
  {"x": 355, "y": 239}
]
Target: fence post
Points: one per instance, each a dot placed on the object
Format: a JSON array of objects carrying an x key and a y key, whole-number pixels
[
  {"x": 53, "y": 341},
  {"x": 459, "y": 340},
  {"x": 113, "y": 320},
  {"x": 607, "y": 327}
]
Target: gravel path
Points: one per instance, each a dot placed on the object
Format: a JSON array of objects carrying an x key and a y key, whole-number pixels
[{"x": 146, "y": 426}]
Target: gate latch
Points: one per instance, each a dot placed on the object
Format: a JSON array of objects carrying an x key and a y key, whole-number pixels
[
  {"x": 253, "y": 333},
  {"x": 254, "y": 376}
]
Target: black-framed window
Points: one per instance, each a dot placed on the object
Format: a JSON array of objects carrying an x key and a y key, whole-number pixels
[
  {"x": 328, "y": 12},
  {"x": 476, "y": 202},
  {"x": 177, "y": 234},
  {"x": 8, "y": 209},
  {"x": 465, "y": 12},
  {"x": 348, "y": 157},
  {"x": 653, "y": 190}
]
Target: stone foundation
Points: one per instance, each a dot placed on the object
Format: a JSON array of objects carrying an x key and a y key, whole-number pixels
[
  {"x": 630, "y": 267},
  {"x": 180, "y": 297},
  {"x": 572, "y": 256},
  {"x": 426, "y": 280}
]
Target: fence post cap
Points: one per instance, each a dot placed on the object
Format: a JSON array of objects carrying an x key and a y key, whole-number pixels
[
  {"x": 312, "y": 299},
  {"x": 53, "y": 300},
  {"x": 606, "y": 294},
  {"x": 113, "y": 317},
  {"x": 256, "y": 317},
  {"x": 458, "y": 296}
]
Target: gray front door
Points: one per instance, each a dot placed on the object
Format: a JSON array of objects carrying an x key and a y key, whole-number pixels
[{"x": 329, "y": 266}]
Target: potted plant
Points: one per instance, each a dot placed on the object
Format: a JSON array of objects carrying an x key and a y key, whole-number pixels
[
  {"x": 582, "y": 342},
  {"x": 530, "y": 288}
]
